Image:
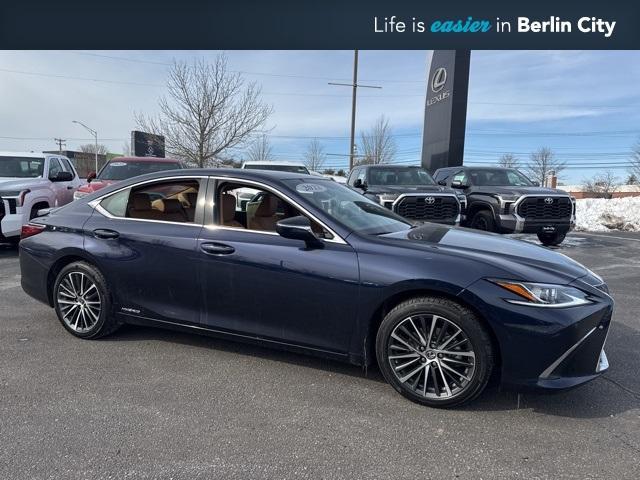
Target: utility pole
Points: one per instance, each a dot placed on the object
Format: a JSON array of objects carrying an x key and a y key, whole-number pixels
[
  {"x": 60, "y": 142},
  {"x": 354, "y": 85},
  {"x": 95, "y": 136}
]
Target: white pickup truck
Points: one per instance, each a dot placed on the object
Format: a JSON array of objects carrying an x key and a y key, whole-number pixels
[{"x": 30, "y": 182}]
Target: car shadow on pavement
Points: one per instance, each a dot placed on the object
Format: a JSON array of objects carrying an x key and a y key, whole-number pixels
[
  {"x": 8, "y": 250},
  {"x": 598, "y": 399}
]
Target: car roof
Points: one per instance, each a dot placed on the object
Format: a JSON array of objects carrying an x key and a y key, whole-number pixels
[
  {"x": 27, "y": 154},
  {"x": 390, "y": 166},
  {"x": 144, "y": 159},
  {"x": 275, "y": 162},
  {"x": 231, "y": 172}
]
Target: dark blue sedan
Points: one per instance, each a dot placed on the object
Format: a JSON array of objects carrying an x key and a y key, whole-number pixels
[{"x": 305, "y": 264}]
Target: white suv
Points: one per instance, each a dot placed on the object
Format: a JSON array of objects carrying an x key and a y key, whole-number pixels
[{"x": 30, "y": 182}]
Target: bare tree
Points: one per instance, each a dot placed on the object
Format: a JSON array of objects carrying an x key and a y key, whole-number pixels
[
  {"x": 260, "y": 150},
  {"x": 601, "y": 185},
  {"x": 541, "y": 163},
  {"x": 508, "y": 160},
  {"x": 634, "y": 168},
  {"x": 91, "y": 148},
  {"x": 314, "y": 157},
  {"x": 377, "y": 144},
  {"x": 208, "y": 110},
  {"x": 126, "y": 149}
]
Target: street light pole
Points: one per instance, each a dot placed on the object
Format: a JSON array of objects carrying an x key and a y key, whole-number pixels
[
  {"x": 354, "y": 85},
  {"x": 95, "y": 136}
]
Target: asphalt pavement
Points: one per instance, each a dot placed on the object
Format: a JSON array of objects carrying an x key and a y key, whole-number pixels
[{"x": 147, "y": 403}]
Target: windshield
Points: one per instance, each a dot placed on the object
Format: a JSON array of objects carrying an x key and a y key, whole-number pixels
[
  {"x": 349, "y": 208},
  {"x": 21, "y": 167},
  {"x": 399, "y": 176},
  {"x": 278, "y": 168},
  {"x": 493, "y": 177},
  {"x": 123, "y": 170}
]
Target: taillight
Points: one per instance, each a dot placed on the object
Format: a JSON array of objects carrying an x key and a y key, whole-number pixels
[{"x": 31, "y": 229}]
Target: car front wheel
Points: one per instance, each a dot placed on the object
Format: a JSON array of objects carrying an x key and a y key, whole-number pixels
[
  {"x": 83, "y": 302},
  {"x": 435, "y": 352}
]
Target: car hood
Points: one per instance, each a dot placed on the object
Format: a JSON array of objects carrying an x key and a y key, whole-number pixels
[
  {"x": 96, "y": 185},
  {"x": 11, "y": 183},
  {"x": 520, "y": 191},
  {"x": 378, "y": 189},
  {"x": 519, "y": 259}
]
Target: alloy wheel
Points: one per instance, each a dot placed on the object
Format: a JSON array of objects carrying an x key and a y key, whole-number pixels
[
  {"x": 431, "y": 356},
  {"x": 79, "y": 302}
]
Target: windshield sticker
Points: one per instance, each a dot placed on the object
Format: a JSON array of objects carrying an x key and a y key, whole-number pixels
[
  {"x": 310, "y": 188},
  {"x": 117, "y": 164}
]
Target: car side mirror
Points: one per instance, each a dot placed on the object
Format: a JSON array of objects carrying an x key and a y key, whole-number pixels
[
  {"x": 91, "y": 176},
  {"x": 442, "y": 183},
  {"x": 61, "y": 177},
  {"x": 299, "y": 228},
  {"x": 536, "y": 184},
  {"x": 360, "y": 184},
  {"x": 459, "y": 184}
]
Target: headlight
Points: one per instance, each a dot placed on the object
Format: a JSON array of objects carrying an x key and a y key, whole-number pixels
[
  {"x": 17, "y": 194},
  {"x": 543, "y": 294},
  {"x": 388, "y": 197},
  {"x": 78, "y": 194}
]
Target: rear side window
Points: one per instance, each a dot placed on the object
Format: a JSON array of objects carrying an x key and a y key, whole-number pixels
[{"x": 116, "y": 204}]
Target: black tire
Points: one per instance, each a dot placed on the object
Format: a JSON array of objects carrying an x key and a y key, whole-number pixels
[
  {"x": 551, "y": 239},
  {"x": 106, "y": 322},
  {"x": 477, "y": 340},
  {"x": 483, "y": 220}
]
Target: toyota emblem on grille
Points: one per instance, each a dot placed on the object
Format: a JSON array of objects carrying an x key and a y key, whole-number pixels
[
  {"x": 430, "y": 200},
  {"x": 548, "y": 200}
]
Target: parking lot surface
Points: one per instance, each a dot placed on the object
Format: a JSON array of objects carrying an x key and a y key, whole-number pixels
[{"x": 146, "y": 403}]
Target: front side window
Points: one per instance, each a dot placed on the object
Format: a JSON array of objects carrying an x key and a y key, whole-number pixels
[
  {"x": 21, "y": 167},
  {"x": 459, "y": 177},
  {"x": 250, "y": 208},
  {"x": 169, "y": 201},
  {"x": 347, "y": 207},
  {"x": 122, "y": 170},
  {"x": 66, "y": 166},
  {"x": 54, "y": 167}
]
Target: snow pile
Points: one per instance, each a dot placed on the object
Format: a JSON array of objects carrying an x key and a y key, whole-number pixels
[{"x": 603, "y": 215}]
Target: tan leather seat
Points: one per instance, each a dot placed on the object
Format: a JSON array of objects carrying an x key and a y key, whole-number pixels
[
  {"x": 228, "y": 211},
  {"x": 173, "y": 211},
  {"x": 140, "y": 207},
  {"x": 265, "y": 217}
]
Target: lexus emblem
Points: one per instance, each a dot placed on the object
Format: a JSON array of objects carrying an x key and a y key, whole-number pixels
[
  {"x": 439, "y": 79},
  {"x": 548, "y": 200},
  {"x": 429, "y": 200}
]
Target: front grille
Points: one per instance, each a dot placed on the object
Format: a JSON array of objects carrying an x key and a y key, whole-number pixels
[
  {"x": 421, "y": 208},
  {"x": 540, "y": 208}
]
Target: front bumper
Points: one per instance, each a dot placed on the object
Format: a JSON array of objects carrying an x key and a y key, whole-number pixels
[
  {"x": 11, "y": 219},
  {"x": 509, "y": 219},
  {"x": 546, "y": 348}
]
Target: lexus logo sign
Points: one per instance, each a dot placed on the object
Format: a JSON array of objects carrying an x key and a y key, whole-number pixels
[
  {"x": 439, "y": 79},
  {"x": 548, "y": 200},
  {"x": 429, "y": 200}
]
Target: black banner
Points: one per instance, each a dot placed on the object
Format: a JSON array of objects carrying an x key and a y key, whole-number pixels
[
  {"x": 145, "y": 144},
  {"x": 307, "y": 24}
]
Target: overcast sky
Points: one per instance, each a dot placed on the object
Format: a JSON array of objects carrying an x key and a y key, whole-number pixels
[{"x": 583, "y": 105}]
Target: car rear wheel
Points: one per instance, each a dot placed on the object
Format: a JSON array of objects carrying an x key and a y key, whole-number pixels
[
  {"x": 83, "y": 302},
  {"x": 552, "y": 239},
  {"x": 483, "y": 220},
  {"x": 434, "y": 352}
]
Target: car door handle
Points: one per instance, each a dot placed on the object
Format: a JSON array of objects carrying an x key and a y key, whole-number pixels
[
  {"x": 69, "y": 187},
  {"x": 106, "y": 234},
  {"x": 217, "y": 249}
]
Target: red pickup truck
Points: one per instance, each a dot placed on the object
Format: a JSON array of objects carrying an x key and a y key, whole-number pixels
[{"x": 121, "y": 168}]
